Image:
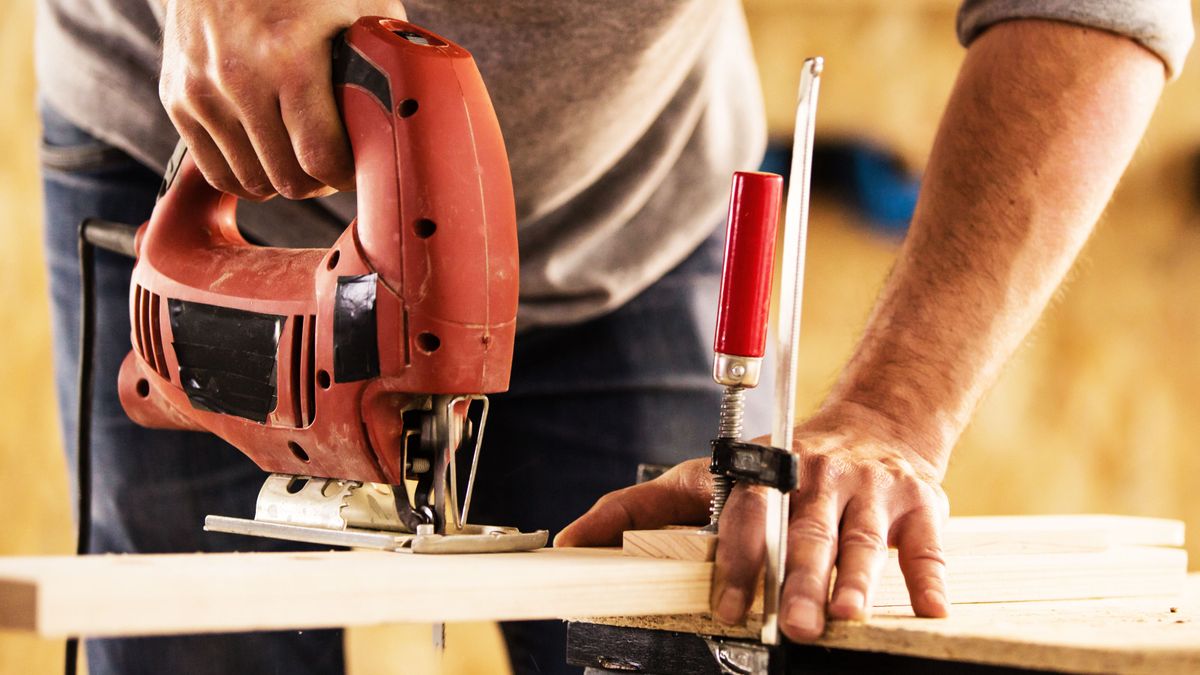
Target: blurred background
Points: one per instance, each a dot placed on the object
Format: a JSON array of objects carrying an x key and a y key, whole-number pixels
[{"x": 1099, "y": 412}]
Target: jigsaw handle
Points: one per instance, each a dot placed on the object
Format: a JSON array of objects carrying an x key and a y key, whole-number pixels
[
  {"x": 429, "y": 158},
  {"x": 436, "y": 218},
  {"x": 749, "y": 264}
]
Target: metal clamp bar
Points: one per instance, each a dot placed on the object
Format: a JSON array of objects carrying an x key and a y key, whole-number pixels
[{"x": 791, "y": 288}]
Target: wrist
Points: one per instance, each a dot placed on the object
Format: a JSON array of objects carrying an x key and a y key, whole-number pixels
[{"x": 922, "y": 441}]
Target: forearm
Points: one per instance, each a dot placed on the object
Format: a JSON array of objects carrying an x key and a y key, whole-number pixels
[{"x": 1041, "y": 124}]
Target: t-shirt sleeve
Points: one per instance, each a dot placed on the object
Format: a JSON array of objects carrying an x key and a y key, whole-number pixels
[{"x": 1162, "y": 26}]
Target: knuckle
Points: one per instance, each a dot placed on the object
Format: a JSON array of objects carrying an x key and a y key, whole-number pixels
[
  {"x": 166, "y": 92},
  {"x": 857, "y": 579},
  {"x": 231, "y": 73},
  {"x": 930, "y": 552},
  {"x": 941, "y": 505},
  {"x": 826, "y": 470},
  {"x": 259, "y": 188},
  {"x": 282, "y": 45},
  {"x": 320, "y": 163},
  {"x": 880, "y": 475},
  {"x": 224, "y": 182},
  {"x": 608, "y": 498},
  {"x": 812, "y": 531},
  {"x": 192, "y": 87},
  {"x": 291, "y": 188},
  {"x": 807, "y": 583},
  {"x": 176, "y": 109},
  {"x": 929, "y": 503},
  {"x": 173, "y": 99},
  {"x": 869, "y": 540},
  {"x": 913, "y": 488},
  {"x": 692, "y": 476},
  {"x": 929, "y": 581}
]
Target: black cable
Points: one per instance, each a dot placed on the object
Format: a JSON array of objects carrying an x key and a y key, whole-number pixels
[
  {"x": 83, "y": 417},
  {"x": 119, "y": 238}
]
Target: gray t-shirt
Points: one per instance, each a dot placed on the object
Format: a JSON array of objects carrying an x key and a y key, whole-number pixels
[{"x": 623, "y": 120}]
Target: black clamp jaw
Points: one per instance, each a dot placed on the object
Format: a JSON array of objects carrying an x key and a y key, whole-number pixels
[{"x": 753, "y": 463}]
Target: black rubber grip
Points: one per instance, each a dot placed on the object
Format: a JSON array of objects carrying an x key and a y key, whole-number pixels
[{"x": 351, "y": 68}]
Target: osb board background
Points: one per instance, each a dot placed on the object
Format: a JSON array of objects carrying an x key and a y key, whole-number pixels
[{"x": 1094, "y": 414}]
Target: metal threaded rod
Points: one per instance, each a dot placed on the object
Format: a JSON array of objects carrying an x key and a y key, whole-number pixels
[
  {"x": 733, "y": 408},
  {"x": 721, "y": 487}
]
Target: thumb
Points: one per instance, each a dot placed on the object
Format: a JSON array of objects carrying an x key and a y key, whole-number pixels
[{"x": 678, "y": 497}]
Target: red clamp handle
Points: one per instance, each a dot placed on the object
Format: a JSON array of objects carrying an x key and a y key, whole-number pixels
[{"x": 749, "y": 263}]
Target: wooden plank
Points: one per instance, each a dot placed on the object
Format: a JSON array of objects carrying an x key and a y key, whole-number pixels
[
  {"x": 970, "y": 535},
  {"x": 165, "y": 594},
  {"x": 1121, "y": 572},
  {"x": 196, "y": 593},
  {"x": 985, "y": 534},
  {"x": 1132, "y": 636}
]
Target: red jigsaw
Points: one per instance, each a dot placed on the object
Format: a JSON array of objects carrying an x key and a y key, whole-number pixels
[{"x": 354, "y": 373}]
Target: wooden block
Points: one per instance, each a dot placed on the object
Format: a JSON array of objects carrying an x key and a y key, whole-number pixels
[{"x": 672, "y": 543}]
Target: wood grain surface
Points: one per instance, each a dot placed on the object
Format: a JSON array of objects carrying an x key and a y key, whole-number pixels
[
  {"x": 191, "y": 593},
  {"x": 672, "y": 543},
  {"x": 962, "y": 535},
  {"x": 1135, "y": 636}
]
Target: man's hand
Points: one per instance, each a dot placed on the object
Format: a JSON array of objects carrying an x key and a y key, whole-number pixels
[
  {"x": 248, "y": 85},
  {"x": 861, "y": 490},
  {"x": 1042, "y": 122}
]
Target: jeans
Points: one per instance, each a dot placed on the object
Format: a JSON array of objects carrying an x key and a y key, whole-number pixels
[{"x": 587, "y": 403}]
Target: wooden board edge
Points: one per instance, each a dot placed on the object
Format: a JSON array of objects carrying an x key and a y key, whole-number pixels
[
  {"x": 670, "y": 543},
  {"x": 1099, "y": 528},
  {"x": 19, "y": 606}
]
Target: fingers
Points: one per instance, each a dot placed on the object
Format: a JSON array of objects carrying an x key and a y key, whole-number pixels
[
  {"x": 273, "y": 147},
  {"x": 319, "y": 142},
  {"x": 679, "y": 496},
  {"x": 208, "y": 157},
  {"x": 862, "y": 553},
  {"x": 252, "y": 98},
  {"x": 812, "y": 546},
  {"x": 917, "y": 536},
  {"x": 220, "y": 146},
  {"x": 740, "y": 553}
]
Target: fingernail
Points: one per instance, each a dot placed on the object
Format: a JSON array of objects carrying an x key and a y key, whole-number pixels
[
  {"x": 849, "y": 602},
  {"x": 730, "y": 606},
  {"x": 804, "y": 618}
]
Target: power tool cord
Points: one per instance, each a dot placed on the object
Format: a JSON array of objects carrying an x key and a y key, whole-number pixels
[{"x": 118, "y": 238}]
